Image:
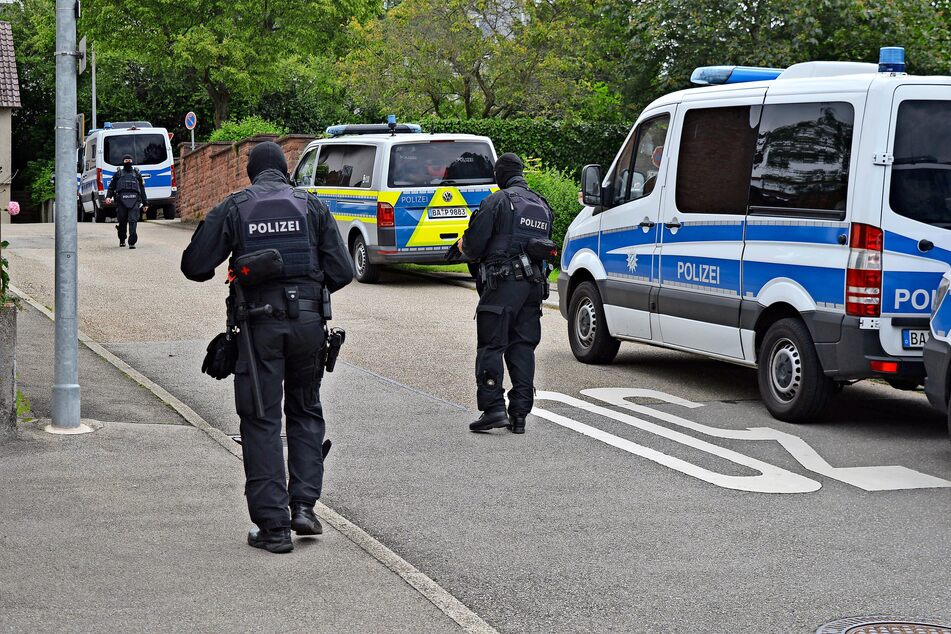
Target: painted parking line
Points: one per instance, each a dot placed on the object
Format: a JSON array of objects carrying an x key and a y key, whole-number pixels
[{"x": 770, "y": 478}]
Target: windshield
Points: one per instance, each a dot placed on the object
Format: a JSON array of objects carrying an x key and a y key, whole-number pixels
[
  {"x": 441, "y": 163},
  {"x": 146, "y": 149},
  {"x": 921, "y": 174}
]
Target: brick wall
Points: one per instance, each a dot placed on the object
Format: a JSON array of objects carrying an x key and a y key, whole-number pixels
[{"x": 213, "y": 170}]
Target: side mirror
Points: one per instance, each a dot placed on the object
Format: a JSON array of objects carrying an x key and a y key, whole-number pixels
[{"x": 591, "y": 185}]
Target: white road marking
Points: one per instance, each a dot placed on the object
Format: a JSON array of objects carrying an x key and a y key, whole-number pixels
[
  {"x": 881, "y": 478},
  {"x": 772, "y": 479}
]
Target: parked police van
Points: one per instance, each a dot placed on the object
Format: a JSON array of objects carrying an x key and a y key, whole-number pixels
[
  {"x": 937, "y": 355},
  {"x": 151, "y": 151},
  {"x": 398, "y": 195},
  {"x": 792, "y": 220}
]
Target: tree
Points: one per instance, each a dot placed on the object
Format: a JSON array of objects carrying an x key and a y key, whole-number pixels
[
  {"x": 475, "y": 58},
  {"x": 226, "y": 47}
]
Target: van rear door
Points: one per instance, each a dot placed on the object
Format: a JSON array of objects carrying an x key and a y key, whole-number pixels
[
  {"x": 916, "y": 214},
  {"x": 150, "y": 155}
]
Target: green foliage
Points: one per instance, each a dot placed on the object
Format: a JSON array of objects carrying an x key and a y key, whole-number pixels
[
  {"x": 40, "y": 175},
  {"x": 4, "y": 275},
  {"x": 247, "y": 127},
  {"x": 24, "y": 407},
  {"x": 561, "y": 192},
  {"x": 562, "y": 145}
]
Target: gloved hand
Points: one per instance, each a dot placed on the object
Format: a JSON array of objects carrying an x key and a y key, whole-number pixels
[{"x": 454, "y": 254}]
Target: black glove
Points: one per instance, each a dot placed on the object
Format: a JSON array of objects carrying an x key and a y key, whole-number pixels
[
  {"x": 220, "y": 357},
  {"x": 453, "y": 254}
]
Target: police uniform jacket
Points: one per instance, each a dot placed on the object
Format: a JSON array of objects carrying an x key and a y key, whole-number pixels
[
  {"x": 486, "y": 222},
  {"x": 218, "y": 236}
]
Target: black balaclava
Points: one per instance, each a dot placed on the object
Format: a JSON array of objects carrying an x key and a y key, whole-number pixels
[
  {"x": 264, "y": 156},
  {"x": 127, "y": 162},
  {"x": 507, "y": 167}
]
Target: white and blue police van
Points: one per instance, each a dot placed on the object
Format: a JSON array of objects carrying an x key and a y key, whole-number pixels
[
  {"x": 151, "y": 151},
  {"x": 794, "y": 220},
  {"x": 937, "y": 354},
  {"x": 399, "y": 195}
]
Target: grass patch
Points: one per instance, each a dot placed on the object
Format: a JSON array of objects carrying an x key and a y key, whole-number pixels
[
  {"x": 24, "y": 411},
  {"x": 434, "y": 268}
]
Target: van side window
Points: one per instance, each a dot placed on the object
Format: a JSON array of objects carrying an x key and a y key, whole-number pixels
[
  {"x": 802, "y": 157},
  {"x": 645, "y": 149},
  {"x": 716, "y": 151},
  {"x": 921, "y": 174},
  {"x": 621, "y": 178},
  {"x": 305, "y": 168},
  {"x": 90, "y": 155},
  {"x": 345, "y": 166}
]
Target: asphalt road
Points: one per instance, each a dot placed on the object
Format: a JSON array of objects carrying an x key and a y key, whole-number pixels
[{"x": 680, "y": 506}]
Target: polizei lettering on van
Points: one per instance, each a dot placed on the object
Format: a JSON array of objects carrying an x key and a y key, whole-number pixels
[
  {"x": 274, "y": 227},
  {"x": 699, "y": 273}
]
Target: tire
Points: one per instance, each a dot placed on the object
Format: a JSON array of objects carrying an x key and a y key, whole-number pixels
[
  {"x": 168, "y": 212},
  {"x": 949, "y": 421},
  {"x": 151, "y": 214},
  {"x": 98, "y": 212},
  {"x": 80, "y": 214},
  {"x": 791, "y": 382},
  {"x": 363, "y": 270},
  {"x": 587, "y": 327}
]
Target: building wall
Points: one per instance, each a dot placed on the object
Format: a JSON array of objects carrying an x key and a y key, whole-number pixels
[
  {"x": 6, "y": 171},
  {"x": 207, "y": 174}
]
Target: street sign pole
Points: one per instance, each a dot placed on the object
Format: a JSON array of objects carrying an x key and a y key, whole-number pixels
[
  {"x": 66, "y": 402},
  {"x": 191, "y": 120}
]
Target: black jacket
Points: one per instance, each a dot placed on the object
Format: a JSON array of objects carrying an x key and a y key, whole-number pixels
[
  {"x": 217, "y": 236},
  {"x": 485, "y": 222},
  {"x": 114, "y": 182}
]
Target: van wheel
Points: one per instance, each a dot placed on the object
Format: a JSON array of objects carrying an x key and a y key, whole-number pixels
[
  {"x": 791, "y": 382},
  {"x": 588, "y": 329},
  {"x": 168, "y": 212},
  {"x": 363, "y": 270},
  {"x": 151, "y": 214}
]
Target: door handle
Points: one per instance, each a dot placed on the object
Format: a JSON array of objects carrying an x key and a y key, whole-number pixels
[
  {"x": 674, "y": 224},
  {"x": 925, "y": 245},
  {"x": 647, "y": 223}
]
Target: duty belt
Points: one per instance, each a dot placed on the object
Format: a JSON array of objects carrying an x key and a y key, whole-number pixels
[{"x": 285, "y": 303}]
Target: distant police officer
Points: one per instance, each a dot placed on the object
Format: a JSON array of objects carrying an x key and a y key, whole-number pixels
[
  {"x": 127, "y": 190},
  {"x": 286, "y": 343},
  {"x": 509, "y": 235}
]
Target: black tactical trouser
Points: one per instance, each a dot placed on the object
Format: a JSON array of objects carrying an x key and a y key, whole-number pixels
[
  {"x": 286, "y": 351},
  {"x": 128, "y": 218},
  {"x": 508, "y": 323}
]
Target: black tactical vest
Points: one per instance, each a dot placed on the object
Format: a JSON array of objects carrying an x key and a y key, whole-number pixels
[
  {"x": 530, "y": 218},
  {"x": 278, "y": 220},
  {"x": 127, "y": 188}
]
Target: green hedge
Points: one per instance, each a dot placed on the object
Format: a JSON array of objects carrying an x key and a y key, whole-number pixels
[
  {"x": 561, "y": 192},
  {"x": 40, "y": 176},
  {"x": 563, "y": 145},
  {"x": 247, "y": 127}
]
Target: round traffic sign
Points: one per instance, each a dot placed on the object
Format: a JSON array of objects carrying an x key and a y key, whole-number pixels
[{"x": 191, "y": 120}]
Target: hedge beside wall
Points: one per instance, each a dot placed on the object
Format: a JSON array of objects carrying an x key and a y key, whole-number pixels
[{"x": 562, "y": 145}]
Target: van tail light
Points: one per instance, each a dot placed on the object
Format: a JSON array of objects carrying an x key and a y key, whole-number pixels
[
  {"x": 863, "y": 280},
  {"x": 385, "y": 215},
  {"x": 885, "y": 367},
  {"x": 174, "y": 186},
  {"x": 99, "y": 179}
]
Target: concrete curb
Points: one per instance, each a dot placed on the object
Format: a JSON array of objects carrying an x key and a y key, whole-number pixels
[{"x": 449, "y": 605}]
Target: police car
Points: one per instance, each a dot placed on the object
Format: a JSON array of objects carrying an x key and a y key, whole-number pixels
[
  {"x": 794, "y": 220},
  {"x": 937, "y": 353},
  {"x": 151, "y": 151},
  {"x": 398, "y": 195}
]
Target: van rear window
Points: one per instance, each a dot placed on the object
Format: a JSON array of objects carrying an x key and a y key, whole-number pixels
[
  {"x": 921, "y": 174},
  {"x": 436, "y": 163},
  {"x": 146, "y": 149}
]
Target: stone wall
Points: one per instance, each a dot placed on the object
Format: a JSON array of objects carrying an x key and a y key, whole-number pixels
[{"x": 211, "y": 171}]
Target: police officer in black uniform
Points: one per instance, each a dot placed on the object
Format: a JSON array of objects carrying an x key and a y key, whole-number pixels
[
  {"x": 127, "y": 190},
  {"x": 272, "y": 215},
  {"x": 502, "y": 237}
]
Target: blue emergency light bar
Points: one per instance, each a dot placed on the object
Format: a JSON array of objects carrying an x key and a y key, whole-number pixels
[
  {"x": 891, "y": 59},
  {"x": 374, "y": 128},
  {"x": 718, "y": 75}
]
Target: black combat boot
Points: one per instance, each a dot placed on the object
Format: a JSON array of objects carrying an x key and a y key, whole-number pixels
[
  {"x": 277, "y": 540},
  {"x": 303, "y": 520},
  {"x": 517, "y": 423},
  {"x": 490, "y": 420}
]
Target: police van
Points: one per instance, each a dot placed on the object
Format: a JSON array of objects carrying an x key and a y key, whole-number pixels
[
  {"x": 794, "y": 220},
  {"x": 398, "y": 195},
  {"x": 151, "y": 151},
  {"x": 937, "y": 355}
]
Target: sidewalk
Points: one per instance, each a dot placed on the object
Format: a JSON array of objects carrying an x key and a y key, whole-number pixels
[{"x": 141, "y": 526}]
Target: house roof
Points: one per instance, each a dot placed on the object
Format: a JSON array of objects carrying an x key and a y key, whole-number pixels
[{"x": 9, "y": 84}]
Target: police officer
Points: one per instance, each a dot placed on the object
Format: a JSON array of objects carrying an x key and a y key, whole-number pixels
[
  {"x": 127, "y": 185},
  {"x": 271, "y": 215},
  {"x": 501, "y": 236}
]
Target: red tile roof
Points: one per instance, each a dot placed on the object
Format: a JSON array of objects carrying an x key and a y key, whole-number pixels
[{"x": 9, "y": 85}]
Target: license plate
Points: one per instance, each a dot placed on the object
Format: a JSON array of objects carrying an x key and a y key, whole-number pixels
[
  {"x": 914, "y": 339},
  {"x": 448, "y": 212}
]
